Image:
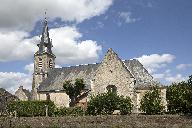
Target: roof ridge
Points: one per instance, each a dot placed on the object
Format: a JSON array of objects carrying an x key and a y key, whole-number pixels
[
  {"x": 80, "y": 65},
  {"x": 128, "y": 69}
]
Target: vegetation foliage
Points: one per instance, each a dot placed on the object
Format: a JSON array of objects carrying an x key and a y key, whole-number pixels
[
  {"x": 179, "y": 97},
  {"x": 106, "y": 103},
  {"x": 73, "y": 90},
  {"x": 31, "y": 108},
  {"x": 71, "y": 111},
  {"x": 151, "y": 102},
  {"x": 38, "y": 108}
]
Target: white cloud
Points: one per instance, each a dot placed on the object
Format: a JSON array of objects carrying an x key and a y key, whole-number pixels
[
  {"x": 168, "y": 77},
  {"x": 127, "y": 17},
  {"x": 155, "y": 61},
  {"x": 19, "y": 18},
  {"x": 12, "y": 80},
  {"x": 24, "y": 14},
  {"x": 176, "y": 78},
  {"x": 159, "y": 76},
  {"x": 57, "y": 66},
  {"x": 183, "y": 66},
  {"x": 15, "y": 46},
  {"x": 29, "y": 68},
  {"x": 68, "y": 47}
]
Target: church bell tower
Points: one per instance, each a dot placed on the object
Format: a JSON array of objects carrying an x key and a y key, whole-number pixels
[{"x": 44, "y": 60}]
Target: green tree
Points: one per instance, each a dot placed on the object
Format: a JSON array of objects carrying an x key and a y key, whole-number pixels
[
  {"x": 179, "y": 97},
  {"x": 151, "y": 102},
  {"x": 106, "y": 103},
  {"x": 124, "y": 105},
  {"x": 73, "y": 90},
  {"x": 176, "y": 97}
]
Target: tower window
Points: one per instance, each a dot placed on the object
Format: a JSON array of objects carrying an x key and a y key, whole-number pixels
[
  {"x": 50, "y": 63},
  {"x": 111, "y": 88},
  {"x": 40, "y": 63}
]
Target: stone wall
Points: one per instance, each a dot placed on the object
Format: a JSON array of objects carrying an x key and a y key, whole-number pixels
[
  {"x": 132, "y": 121},
  {"x": 22, "y": 94},
  {"x": 112, "y": 71},
  {"x": 60, "y": 99}
]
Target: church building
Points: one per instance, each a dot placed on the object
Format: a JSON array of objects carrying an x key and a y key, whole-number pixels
[{"x": 125, "y": 77}]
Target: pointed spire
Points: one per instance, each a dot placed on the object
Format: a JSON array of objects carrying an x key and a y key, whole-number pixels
[
  {"x": 46, "y": 43},
  {"x": 45, "y": 34}
]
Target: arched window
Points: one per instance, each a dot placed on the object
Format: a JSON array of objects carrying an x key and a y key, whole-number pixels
[{"x": 111, "y": 88}]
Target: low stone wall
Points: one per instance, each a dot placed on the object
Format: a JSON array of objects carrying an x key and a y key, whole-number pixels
[{"x": 132, "y": 121}]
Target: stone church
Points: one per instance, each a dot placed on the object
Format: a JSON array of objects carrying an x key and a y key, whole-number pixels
[{"x": 125, "y": 77}]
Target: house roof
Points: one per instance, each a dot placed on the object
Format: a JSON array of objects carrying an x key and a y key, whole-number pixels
[
  {"x": 57, "y": 76},
  {"x": 25, "y": 91}
]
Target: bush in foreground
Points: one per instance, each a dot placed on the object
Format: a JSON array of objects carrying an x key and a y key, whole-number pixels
[
  {"x": 151, "y": 102},
  {"x": 71, "y": 111},
  {"x": 31, "y": 108},
  {"x": 106, "y": 103},
  {"x": 179, "y": 97}
]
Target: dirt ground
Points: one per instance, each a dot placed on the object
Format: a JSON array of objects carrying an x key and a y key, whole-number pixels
[{"x": 131, "y": 121}]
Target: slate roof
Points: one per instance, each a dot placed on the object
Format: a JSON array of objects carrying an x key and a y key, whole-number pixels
[
  {"x": 57, "y": 76},
  {"x": 141, "y": 75}
]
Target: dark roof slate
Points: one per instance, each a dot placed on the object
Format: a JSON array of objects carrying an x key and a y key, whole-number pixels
[
  {"x": 141, "y": 75},
  {"x": 57, "y": 76}
]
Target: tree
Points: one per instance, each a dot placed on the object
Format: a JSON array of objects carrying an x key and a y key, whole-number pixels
[
  {"x": 73, "y": 90},
  {"x": 151, "y": 102},
  {"x": 176, "y": 97},
  {"x": 106, "y": 103},
  {"x": 179, "y": 97},
  {"x": 124, "y": 105}
]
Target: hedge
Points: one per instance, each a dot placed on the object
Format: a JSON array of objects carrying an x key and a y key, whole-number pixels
[
  {"x": 106, "y": 103},
  {"x": 71, "y": 111},
  {"x": 31, "y": 108}
]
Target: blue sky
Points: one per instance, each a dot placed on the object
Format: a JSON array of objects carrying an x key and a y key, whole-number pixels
[{"x": 157, "y": 33}]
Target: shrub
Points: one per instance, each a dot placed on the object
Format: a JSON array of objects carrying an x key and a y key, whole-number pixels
[
  {"x": 106, "y": 103},
  {"x": 151, "y": 102},
  {"x": 125, "y": 105},
  {"x": 179, "y": 97},
  {"x": 31, "y": 108},
  {"x": 71, "y": 111}
]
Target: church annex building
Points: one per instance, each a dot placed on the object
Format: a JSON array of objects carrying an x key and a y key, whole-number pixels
[{"x": 126, "y": 77}]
